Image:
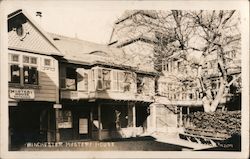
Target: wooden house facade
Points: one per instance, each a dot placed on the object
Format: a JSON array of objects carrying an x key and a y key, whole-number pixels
[
  {"x": 33, "y": 80},
  {"x": 104, "y": 94}
]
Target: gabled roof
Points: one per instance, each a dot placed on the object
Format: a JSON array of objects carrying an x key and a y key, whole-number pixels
[
  {"x": 89, "y": 53},
  {"x": 139, "y": 38},
  {"x": 72, "y": 46},
  {"x": 129, "y": 13},
  {"x": 41, "y": 48}
]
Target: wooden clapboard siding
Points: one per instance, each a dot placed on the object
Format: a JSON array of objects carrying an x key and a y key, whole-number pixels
[
  {"x": 34, "y": 39},
  {"x": 48, "y": 82}
]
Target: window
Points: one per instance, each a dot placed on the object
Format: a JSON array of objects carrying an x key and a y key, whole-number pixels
[
  {"x": 71, "y": 76},
  {"x": 118, "y": 80},
  {"x": 47, "y": 62},
  {"x": 64, "y": 119},
  {"x": 33, "y": 60},
  {"x": 128, "y": 79},
  {"x": 25, "y": 59},
  {"x": 19, "y": 30},
  {"x": 121, "y": 76},
  {"x": 15, "y": 58},
  {"x": 115, "y": 80},
  {"x": 106, "y": 79},
  {"x": 15, "y": 74},
  {"x": 85, "y": 82},
  {"x": 23, "y": 71},
  {"x": 82, "y": 79},
  {"x": 99, "y": 79},
  {"x": 30, "y": 73},
  {"x": 14, "y": 69}
]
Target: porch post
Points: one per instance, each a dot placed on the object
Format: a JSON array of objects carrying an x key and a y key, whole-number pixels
[
  {"x": 134, "y": 115},
  {"x": 180, "y": 122},
  {"x": 99, "y": 122},
  {"x": 49, "y": 126},
  {"x": 187, "y": 119},
  {"x": 57, "y": 129},
  {"x": 154, "y": 117},
  {"x": 91, "y": 122}
]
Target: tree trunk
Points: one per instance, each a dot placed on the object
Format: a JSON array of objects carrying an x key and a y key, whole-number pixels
[{"x": 209, "y": 102}]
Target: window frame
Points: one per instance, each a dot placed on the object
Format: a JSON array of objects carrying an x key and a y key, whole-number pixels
[
  {"x": 73, "y": 79},
  {"x": 21, "y": 64},
  {"x": 106, "y": 81}
]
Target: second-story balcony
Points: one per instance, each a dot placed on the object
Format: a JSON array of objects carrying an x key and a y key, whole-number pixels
[{"x": 103, "y": 83}]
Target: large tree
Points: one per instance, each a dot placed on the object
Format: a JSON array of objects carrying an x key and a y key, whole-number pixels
[{"x": 204, "y": 32}]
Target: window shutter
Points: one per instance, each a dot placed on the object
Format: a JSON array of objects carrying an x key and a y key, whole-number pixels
[
  {"x": 99, "y": 79},
  {"x": 106, "y": 79},
  {"x": 91, "y": 78},
  {"x": 114, "y": 80},
  {"x": 121, "y": 81},
  {"x": 82, "y": 79}
]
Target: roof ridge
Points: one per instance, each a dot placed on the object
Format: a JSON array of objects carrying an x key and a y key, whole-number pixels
[{"x": 76, "y": 39}]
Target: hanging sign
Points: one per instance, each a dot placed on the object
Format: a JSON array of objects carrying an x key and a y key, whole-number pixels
[
  {"x": 58, "y": 106},
  {"x": 21, "y": 93}
]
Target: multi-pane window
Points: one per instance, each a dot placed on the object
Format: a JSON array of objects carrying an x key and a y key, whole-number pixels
[
  {"x": 120, "y": 81},
  {"x": 128, "y": 79},
  {"x": 30, "y": 73},
  {"x": 64, "y": 119},
  {"x": 23, "y": 69},
  {"x": 14, "y": 73},
  {"x": 106, "y": 79}
]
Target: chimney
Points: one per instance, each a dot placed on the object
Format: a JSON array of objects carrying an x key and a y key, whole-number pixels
[{"x": 39, "y": 15}]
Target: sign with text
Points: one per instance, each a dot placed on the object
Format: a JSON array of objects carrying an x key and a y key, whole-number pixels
[
  {"x": 58, "y": 106},
  {"x": 65, "y": 125},
  {"x": 21, "y": 93},
  {"x": 83, "y": 126}
]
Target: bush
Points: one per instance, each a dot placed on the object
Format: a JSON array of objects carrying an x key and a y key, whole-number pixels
[{"x": 229, "y": 122}]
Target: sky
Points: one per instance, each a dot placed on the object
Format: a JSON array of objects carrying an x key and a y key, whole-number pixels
[
  {"x": 94, "y": 20},
  {"x": 84, "y": 20}
]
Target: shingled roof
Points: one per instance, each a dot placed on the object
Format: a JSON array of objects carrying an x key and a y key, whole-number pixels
[
  {"x": 89, "y": 53},
  {"x": 35, "y": 39}
]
